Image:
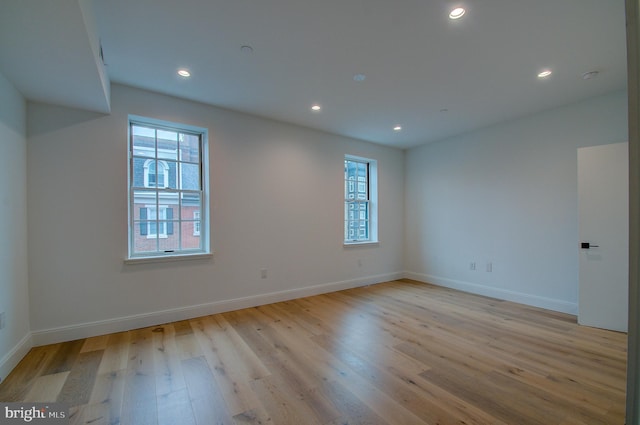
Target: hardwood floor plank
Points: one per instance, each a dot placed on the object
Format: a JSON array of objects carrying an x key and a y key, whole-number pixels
[
  {"x": 182, "y": 328},
  {"x": 206, "y": 398},
  {"x": 166, "y": 362},
  {"x": 47, "y": 388},
  {"x": 64, "y": 357},
  {"x": 95, "y": 343},
  {"x": 80, "y": 382},
  {"x": 140, "y": 405},
  {"x": 227, "y": 365},
  {"x": 256, "y": 416},
  {"x": 281, "y": 404},
  {"x": 175, "y": 408},
  {"x": 19, "y": 382},
  {"x": 394, "y": 353},
  {"x": 106, "y": 399},
  {"x": 116, "y": 353}
]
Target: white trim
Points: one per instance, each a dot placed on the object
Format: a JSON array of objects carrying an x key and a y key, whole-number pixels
[
  {"x": 13, "y": 357},
  {"x": 499, "y": 293},
  {"x": 363, "y": 243},
  {"x": 119, "y": 324},
  {"x": 182, "y": 256},
  {"x": 203, "y": 161},
  {"x": 372, "y": 199}
]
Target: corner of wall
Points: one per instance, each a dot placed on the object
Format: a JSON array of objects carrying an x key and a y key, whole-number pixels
[{"x": 13, "y": 357}]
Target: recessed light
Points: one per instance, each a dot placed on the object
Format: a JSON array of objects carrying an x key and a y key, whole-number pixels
[
  {"x": 457, "y": 13},
  {"x": 359, "y": 77},
  {"x": 316, "y": 108},
  {"x": 397, "y": 128},
  {"x": 184, "y": 73},
  {"x": 544, "y": 74}
]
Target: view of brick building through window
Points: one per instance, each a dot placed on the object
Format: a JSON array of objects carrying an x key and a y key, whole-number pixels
[
  {"x": 166, "y": 190},
  {"x": 356, "y": 204}
]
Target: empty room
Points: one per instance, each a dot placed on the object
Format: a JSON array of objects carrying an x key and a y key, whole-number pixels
[{"x": 339, "y": 212}]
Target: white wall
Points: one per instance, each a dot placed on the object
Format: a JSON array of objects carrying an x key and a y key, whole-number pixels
[
  {"x": 15, "y": 338},
  {"x": 506, "y": 195},
  {"x": 277, "y": 203}
]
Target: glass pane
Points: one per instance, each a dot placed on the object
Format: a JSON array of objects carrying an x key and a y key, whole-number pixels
[
  {"x": 350, "y": 170},
  {"x": 190, "y": 203},
  {"x": 171, "y": 175},
  {"x": 190, "y": 176},
  {"x": 190, "y": 240},
  {"x": 362, "y": 171},
  {"x": 142, "y": 198},
  {"x": 140, "y": 130},
  {"x": 170, "y": 239},
  {"x": 144, "y": 141},
  {"x": 364, "y": 211},
  {"x": 167, "y": 144},
  {"x": 189, "y": 148},
  {"x": 143, "y": 243}
]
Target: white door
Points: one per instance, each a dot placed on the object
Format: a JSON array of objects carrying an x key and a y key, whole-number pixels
[{"x": 603, "y": 228}]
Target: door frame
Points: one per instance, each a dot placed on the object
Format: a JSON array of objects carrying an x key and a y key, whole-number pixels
[{"x": 632, "y": 12}]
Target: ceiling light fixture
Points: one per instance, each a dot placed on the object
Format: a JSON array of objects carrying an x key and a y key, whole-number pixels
[
  {"x": 184, "y": 73},
  {"x": 316, "y": 108},
  {"x": 544, "y": 74},
  {"x": 397, "y": 128},
  {"x": 359, "y": 77},
  {"x": 457, "y": 13}
]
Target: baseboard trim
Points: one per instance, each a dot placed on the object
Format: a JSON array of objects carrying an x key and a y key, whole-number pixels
[
  {"x": 119, "y": 324},
  {"x": 13, "y": 357},
  {"x": 499, "y": 293}
]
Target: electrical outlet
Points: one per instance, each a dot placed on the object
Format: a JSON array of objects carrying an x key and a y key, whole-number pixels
[
  {"x": 489, "y": 267},
  {"x": 3, "y": 320},
  {"x": 472, "y": 265},
  {"x": 263, "y": 273}
]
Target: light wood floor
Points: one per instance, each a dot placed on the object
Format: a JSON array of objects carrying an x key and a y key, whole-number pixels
[{"x": 394, "y": 353}]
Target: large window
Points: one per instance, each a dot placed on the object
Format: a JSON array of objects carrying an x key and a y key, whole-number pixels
[
  {"x": 360, "y": 196},
  {"x": 167, "y": 189}
]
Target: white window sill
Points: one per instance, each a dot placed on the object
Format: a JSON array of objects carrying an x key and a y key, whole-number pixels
[
  {"x": 362, "y": 243},
  {"x": 168, "y": 258}
]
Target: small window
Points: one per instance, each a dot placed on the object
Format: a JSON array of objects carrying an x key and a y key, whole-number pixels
[
  {"x": 360, "y": 196},
  {"x": 156, "y": 173},
  {"x": 167, "y": 189},
  {"x": 156, "y": 225},
  {"x": 196, "y": 223}
]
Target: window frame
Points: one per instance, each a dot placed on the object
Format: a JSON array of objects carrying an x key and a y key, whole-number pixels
[
  {"x": 176, "y": 195},
  {"x": 371, "y": 202}
]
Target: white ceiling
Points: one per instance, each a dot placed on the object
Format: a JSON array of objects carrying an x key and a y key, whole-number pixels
[{"x": 435, "y": 77}]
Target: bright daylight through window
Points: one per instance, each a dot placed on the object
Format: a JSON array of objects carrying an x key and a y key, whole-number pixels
[
  {"x": 360, "y": 196},
  {"x": 167, "y": 190}
]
